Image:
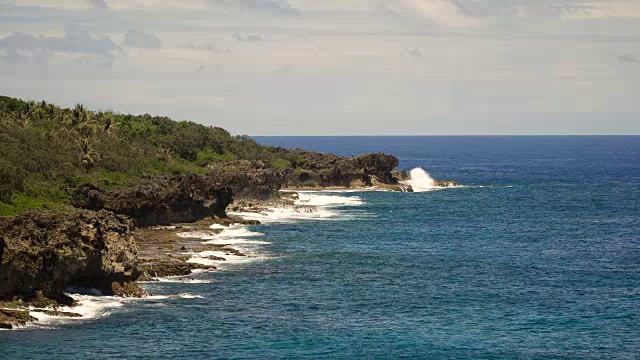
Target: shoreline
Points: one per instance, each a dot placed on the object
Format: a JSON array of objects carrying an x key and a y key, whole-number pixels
[
  {"x": 174, "y": 253},
  {"x": 177, "y": 253}
]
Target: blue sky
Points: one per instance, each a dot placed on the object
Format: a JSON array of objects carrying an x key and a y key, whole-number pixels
[{"x": 335, "y": 67}]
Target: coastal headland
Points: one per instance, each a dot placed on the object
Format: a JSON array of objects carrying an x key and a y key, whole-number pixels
[{"x": 104, "y": 201}]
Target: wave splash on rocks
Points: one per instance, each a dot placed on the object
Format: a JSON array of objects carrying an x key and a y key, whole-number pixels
[{"x": 419, "y": 180}]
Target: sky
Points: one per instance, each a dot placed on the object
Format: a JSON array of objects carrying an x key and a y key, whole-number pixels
[{"x": 335, "y": 67}]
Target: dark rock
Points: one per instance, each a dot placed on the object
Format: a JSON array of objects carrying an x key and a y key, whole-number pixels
[
  {"x": 128, "y": 289},
  {"x": 40, "y": 301},
  {"x": 316, "y": 170},
  {"x": 10, "y": 319},
  {"x": 233, "y": 251},
  {"x": 57, "y": 313},
  {"x": 445, "y": 183},
  {"x": 43, "y": 252},
  {"x": 248, "y": 179},
  {"x": 161, "y": 200},
  {"x": 169, "y": 267},
  {"x": 401, "y": 175}
]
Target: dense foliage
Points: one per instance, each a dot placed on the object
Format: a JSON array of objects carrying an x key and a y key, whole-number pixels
[{"x": 45, "y": 150}]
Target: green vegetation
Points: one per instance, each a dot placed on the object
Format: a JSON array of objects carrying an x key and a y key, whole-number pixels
[
  {"x": 281, "y": 164},
  {"x": 45, "y": 151}
]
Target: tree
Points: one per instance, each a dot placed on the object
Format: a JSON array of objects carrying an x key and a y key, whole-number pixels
[
  {"x": 109, "y": 125},
  {"x": 88, "y": 156}
]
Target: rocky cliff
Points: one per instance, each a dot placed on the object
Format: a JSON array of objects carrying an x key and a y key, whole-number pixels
[
  {"x": 159, "y": 200},
  {"x": 317, "y": 170},
  {"x": 43, "y": 252},
  {"x": 163, "y": 200}
]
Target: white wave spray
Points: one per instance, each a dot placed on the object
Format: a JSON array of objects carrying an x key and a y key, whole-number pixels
[{"x": 421, "y": 181}]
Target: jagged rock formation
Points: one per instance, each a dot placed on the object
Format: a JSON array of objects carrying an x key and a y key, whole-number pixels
[
  {"x": 313, "y": 169},
  {"x": 43, "y": 252},
  {"x": 248, "y": 179},
  {"x": 10, "y": 319},
  {"x": 401, "y": 175},
  {"x": 163, "y": 200},
  {"x": 169, "y": 267},
  {"x": 160, "y": 200},
  {"x": 446, "y": 183}
]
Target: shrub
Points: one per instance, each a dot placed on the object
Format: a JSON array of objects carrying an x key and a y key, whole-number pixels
[
  {"x": 281, "y": 164},
  {"x": 11, "y": 180}
]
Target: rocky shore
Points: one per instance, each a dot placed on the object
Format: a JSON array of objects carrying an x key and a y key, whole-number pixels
[
  {"x": 111, "y": 239},
  {"x": 102, "y": 200}
]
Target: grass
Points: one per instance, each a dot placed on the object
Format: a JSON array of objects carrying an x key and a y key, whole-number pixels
[
  {"x": 36, "y": 195},
  {"x": 205, "y": 157}
]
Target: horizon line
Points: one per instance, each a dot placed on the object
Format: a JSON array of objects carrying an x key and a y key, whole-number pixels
[{"x": 462, "y": 135}]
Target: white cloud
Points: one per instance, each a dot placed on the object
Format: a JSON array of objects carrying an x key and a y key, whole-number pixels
[
  {"x": 278, "y": 7},
  {"x": 441, "y": 12},
  {"x": 21, "y": 47}
]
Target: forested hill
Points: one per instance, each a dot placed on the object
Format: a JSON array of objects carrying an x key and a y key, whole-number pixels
[{"x": 46, "y": 151}]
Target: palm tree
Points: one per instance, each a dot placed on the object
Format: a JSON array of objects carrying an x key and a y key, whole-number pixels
[
  {"x": 23, "y": 120},
  {"x": 83, "y": 121},
  {"x": 79, "y": 115},
  {"x": 88, "y": 156},
  {"x": 166, "y": 154},
  {"x": 110, "y": 126}
]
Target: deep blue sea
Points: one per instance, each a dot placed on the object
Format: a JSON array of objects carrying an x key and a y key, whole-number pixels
[{"x": 538, "y": 256}]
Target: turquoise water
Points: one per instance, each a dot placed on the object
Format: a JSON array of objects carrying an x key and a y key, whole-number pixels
[{"x": 538, "y": 257}]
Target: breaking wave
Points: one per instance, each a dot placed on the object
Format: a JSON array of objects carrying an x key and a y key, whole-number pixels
[{"x": 421, "y": 181}]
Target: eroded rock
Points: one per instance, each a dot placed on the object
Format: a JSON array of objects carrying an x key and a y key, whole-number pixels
[
  {"x": 127, "y": 289},
  {"x": 45, "y": 251},
  {"x": 10, "y": 319}
]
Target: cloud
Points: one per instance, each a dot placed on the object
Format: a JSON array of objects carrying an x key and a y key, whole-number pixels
[
  {"x": 279, "y": 7},
  {"x": 628, "y": 59},
  {"x": 100, "y": 5},
  {"x": 441, "y": 12},
  {"x": 540, "y": 8},
  {"x": 475, "y": 8},
  {"x": 473, "y": 13},
  {"x": 21, "y": 47},
  {"x": 249, "y": 38},
  {"x": 415, "y": 53},
  {"x": 141, "y": 40}
]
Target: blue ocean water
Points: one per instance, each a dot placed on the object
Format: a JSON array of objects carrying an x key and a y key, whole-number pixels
[{"x": 538, "y": 257}]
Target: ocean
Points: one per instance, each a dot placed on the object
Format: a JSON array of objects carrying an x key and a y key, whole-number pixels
[{"x": 535, "y": 255}]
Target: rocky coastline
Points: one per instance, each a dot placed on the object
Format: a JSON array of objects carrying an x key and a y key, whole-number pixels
[
  {"x": 101, "y": 200},
  {"x": 110, "y": 240}
]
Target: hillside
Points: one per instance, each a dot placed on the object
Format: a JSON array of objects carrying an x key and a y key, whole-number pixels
[{"x": 48, "y": 153}]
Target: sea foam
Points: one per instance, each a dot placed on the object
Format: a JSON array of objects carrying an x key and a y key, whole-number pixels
[
  {"x": 327, "y": 200},
  {"x": 309, "y": 206},
  {"x": 223, "y": 259},
  {"x": 233, "y": 235},
  {"x": 90, "y": 307}
]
